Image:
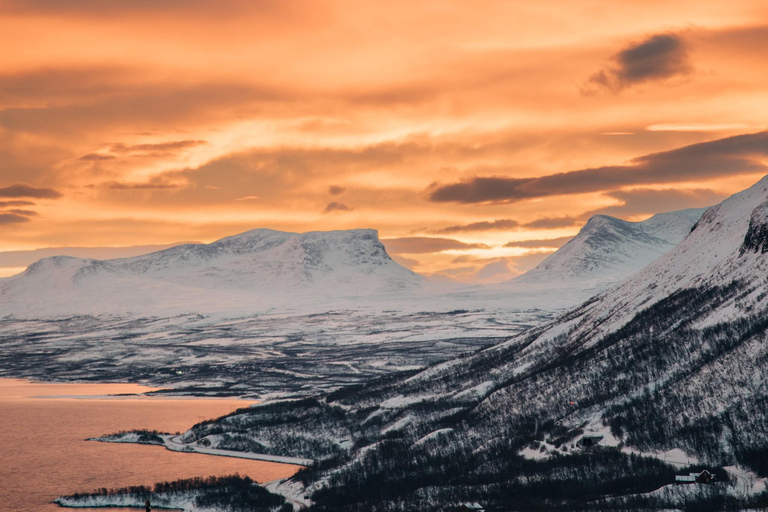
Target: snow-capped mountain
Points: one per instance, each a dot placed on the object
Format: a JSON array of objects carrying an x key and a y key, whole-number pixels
[
  {"x": 608, "y": 250},
  {"x": 674, "y": 360},
  {"x": 254, "y": 268}
]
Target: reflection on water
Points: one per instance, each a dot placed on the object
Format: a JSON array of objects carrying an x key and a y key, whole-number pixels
[{"x": 45, "y": 455}]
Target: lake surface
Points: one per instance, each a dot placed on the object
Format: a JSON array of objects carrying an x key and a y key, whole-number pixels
[{"x": 44, "y": 453}]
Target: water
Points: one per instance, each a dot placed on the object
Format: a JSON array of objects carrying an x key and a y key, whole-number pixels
[{"x": 43, "y": 452}]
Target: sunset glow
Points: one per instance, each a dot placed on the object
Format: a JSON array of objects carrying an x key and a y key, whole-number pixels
[{"x": 476, "y": 137}]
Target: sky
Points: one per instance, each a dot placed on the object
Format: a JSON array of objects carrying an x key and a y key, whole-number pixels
[{"x": 476, "y": 137}]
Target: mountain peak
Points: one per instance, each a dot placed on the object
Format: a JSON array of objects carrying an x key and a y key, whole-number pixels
[
  {"x": 247, "y": 268},
  {"x": 608, "y": 249}
]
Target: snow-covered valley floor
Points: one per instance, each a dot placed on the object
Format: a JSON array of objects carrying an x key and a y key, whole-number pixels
[{"x": 265, "y": 355}]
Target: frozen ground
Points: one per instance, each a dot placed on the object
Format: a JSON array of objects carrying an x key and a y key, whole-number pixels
[{"x": 298, "y": 352}]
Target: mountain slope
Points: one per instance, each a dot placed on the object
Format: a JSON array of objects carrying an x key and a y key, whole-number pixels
[
  {"x": 674, "y": 358},
  {"x": 252, "y": 270},
  {"x": 608, "y": 249}
]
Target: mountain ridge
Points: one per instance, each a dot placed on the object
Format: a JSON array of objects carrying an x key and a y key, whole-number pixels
[
  {"x": 256, "y": 267},
  {"x": 671, "y": 360}
]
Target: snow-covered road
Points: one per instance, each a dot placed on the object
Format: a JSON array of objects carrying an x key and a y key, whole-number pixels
[{"x": 173, "y": 443}]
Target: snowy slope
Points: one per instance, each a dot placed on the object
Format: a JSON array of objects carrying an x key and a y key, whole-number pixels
[
  {"x": 712, "y": 255},
  {"x": 253, "y": 270},
  {"x": 609, "y": 250},
  {"x": 672, "y": 360},
  {"x": 270, "y": 261}
]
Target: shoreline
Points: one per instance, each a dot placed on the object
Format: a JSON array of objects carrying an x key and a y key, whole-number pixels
[{"x": 171, "y": 443}]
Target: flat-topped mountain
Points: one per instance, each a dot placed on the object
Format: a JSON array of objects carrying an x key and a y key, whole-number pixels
[{"x": 253, "y": 267}]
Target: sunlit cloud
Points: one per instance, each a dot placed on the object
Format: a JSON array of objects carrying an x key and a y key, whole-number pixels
[
  {"x": 183, "y": 120},
  {"x": 742, "y": 154},
  {"x": 698, "y": 127},
  {"x": 21, "y": 190},
  {"x": 421, "y": 245}
]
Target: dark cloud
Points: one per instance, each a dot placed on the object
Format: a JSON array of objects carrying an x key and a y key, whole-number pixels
[
  {"x": 335, "y": 190},
  {"x": 150, "y": 185},
  {"x": 553, "y": 222},
  {"x": 496, "y": 225},
  {"x": 12, "y": 218},
  {"x": 732, "y": 156},
  {"x": 552, "y": 243},
  {"x": 10, "y": 204},
  {"x": 95, "y": 157},
  {"x": 26, "y": 213},
  {"x": 159, "y": 147},
  {"x": 424, "y": 245},
  {"x": 21, "y": 190},
  {"x": 659, "y": 57},
  {"x": 336, "y": 207}
]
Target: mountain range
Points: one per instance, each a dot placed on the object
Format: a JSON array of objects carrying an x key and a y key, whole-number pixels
[
  {"x": 670, "y": 363},
  {"x": 263, "y": 269}
]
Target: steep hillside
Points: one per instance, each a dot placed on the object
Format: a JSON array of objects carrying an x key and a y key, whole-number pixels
[{"x": 674, "y": 360}]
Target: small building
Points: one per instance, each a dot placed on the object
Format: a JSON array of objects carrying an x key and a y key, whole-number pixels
[
  {"x": 589, "y": 440},
  {"x": 469, "y": 507},
  {"x": 705, "y": 477}
]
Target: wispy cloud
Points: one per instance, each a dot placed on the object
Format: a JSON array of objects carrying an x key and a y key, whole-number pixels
[
  {"x": 21, "y": 190},
  {"x": 424, "y": 245},
  {"x": 732, "y": 156},
  {"x": 495, "y": 225},
  {"x": 552, "y": 243}
]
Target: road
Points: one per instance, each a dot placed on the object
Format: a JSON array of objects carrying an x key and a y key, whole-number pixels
[{"x": 173, "y": 443}]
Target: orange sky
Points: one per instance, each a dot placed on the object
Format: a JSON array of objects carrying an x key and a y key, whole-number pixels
[{"x": 478, "y": 124}]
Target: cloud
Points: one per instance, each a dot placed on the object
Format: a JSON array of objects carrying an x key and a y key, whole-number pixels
[
  {"x": 659, "y": 57},
  {"x": 492, "y": 270},
  {"x": 425, "y": 245},
  {"x": 643, "y": 201},
  {"x": 732, "y": 156},
  {"x": 551, "y": 243},
  {"x": 336, "y": 207},
  {"x": 553, "y": 222},
  {"x": 150, "y": 185},
  {"x": 157, "y": 147},
  {"x": 409, "y": 263},
  {"x": 336, "y": 190},
  {"x": 26, "y": 213},
  {"x": 9, "y": 204},
  {"x": 12, "y": 218},
  {"x": 496, "y": 225},
  {"x": 95, "y": 7},
  {"x": 698, "y": 127},
  {"x": 21, "y": 190},
  {"x": 95, "y": 157}
]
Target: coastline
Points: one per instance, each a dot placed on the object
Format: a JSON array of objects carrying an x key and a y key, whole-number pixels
[{"x": 171, "y": 442}]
